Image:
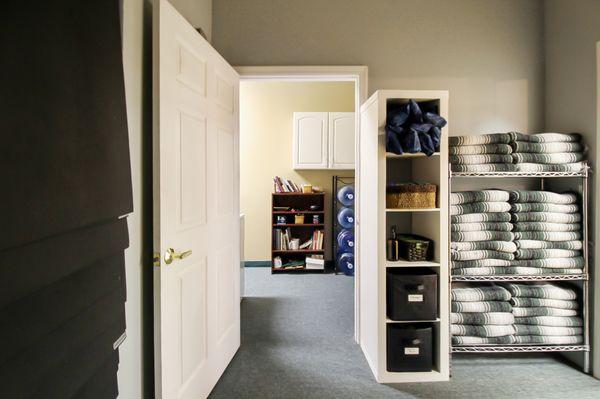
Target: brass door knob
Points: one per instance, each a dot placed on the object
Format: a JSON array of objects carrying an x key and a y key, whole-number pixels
[{"x": 171, "y": 255}]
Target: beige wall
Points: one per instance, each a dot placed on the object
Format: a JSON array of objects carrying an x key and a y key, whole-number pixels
[
  {"x": 266, "y": 131},
  {"x": 572, "y": 33},
  {"x": 489, "y": 54}
]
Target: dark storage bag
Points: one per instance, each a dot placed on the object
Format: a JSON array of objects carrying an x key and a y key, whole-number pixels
[
  {"x": 409, "y": 348},
  {"x": 411, "y": 294}
]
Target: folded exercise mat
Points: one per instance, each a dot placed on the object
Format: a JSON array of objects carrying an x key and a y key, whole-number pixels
[
  {"x": 545, "y": 148},
  {"x": 467, "y": 264},
  {"x": 526, "y": 329},
  {"x": 546, "y": 291},
  {"x": 519, "y": 167},
  {"x": 482, "y": 293},
  {"x": 511, "y": 270},
  {"x": 494, "y": 138},
  {"x": 536, "y": 244},
  {"x": 465, "y": 340},
  {"x": 466, "y": 197},
  {"x": 546, "y": 253},
  {"x": 485, "y": 331},
  {"x": 481, "y": 226},
  {"x": 481, "y": 217},
  {"x": 551, "y": 321},
  {"x": 499, "y": 318},
  {"x": 549, "y": 197},
  {"x": 482, "y": 236},
  {"x": 478, "y": 207},
  {"x": 481, "y": 254},
  {"x": 539, "y": 207},
  {"x": 481, "y": 307},
  {"x": 550, "y": 217},
  {"x": 551, "y": 303},
  {"x": 545, "y": 137},
  {"x": 549, "y": 340},
  {"x": 480, "y": 159},
  {"x": 481, "y": 149},
  {"x": 546, "y": 226},
  {"x": 547, "y": 235},
  {"x": 502, "y": 246},
  {"x": 542, "y": 311},
  {"x": 558, "y": 158},
  {"x": 550, "y": 263}
]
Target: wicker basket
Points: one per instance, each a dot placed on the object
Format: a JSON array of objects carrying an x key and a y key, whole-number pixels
[
  {"x": 414, "y": 248},
  {"x": 411, "y": 195}
]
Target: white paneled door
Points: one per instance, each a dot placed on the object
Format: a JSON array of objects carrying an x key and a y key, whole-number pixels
[{"x": 196, "y": 209}]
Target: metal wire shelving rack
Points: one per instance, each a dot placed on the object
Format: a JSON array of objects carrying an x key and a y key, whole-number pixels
[{"x": 584, "y": 278}]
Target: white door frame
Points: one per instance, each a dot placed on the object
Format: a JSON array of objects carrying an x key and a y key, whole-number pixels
[
  {"x": 596, "y": 224},
  {"x": 356, "y": 74}
]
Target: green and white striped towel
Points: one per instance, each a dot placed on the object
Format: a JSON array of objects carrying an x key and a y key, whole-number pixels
[
  {"x": 499, "y": 318},
  {"x": 502, "y": 246},
  {"x": 458, "y": 340},
  {"x": 539, "y": 207},
  {"x": 466, "y": 197},
  {"x": 548, "y": 340},
  {"x": 481, "y": 217},
  {"x": 536, "y": 244},
  {"x": 482, "y": 293},
  {"x": 480, "y": 307},
  {"x": 550, "y": 263},
  {"x": 511, "y": 271},
  {"x": 546, "y": 291},
  {"x": 546, "y": 137},
  {"x": 558, "y": 158},
  {"x": 482, "y": 236},
  {"x": 470, "y": 264},
  {"x": 519, "y": 167},
  {"x": 481, "y": 226},
  {"x": 480, "y": 149},
  {"x": 481, "y": 254},
  {"x": 546, "y": 226},
  {"x": 547, "y": 235},
  {"x": 551, "y": 303},
  {"x": 551, "y": 321},
  {"x": 480, "y": 159},
  {"x": 551, "y": 217},
  {"x": 546, "y": 253},
  {"x": 494, "y": 138},
  {"x": 547, "y": 197},
  {"x": 483, "y": 331},
  {"x": 526, "y": 329},
  {"x": 545, "y": 148},
  {"x": 543, "y": 311},
  {"x": 478, "y": 207}
]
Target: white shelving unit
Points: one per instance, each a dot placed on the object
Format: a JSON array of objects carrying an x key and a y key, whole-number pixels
[{"x": 377, "y": 168}]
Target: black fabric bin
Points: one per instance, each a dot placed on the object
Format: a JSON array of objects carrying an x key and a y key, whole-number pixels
[
  {"x": 409, "y": 348},
  {"x": 411, "y": 294}
]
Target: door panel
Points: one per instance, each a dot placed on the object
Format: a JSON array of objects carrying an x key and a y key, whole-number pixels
[
  {"x": 310, "y": 140},
  {"x": 341, "y": 140},
  {"x": 196, "y": 208}
]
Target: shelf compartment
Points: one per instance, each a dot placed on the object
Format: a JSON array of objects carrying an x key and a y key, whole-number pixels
[
  {"x": 583, "y": 173},
  {"x": 396, "y": 210},
  {"x": 321, "y": 225},
  {"x": 406, "y": 263},
  {"x": 390, "y": 321},
  {"x": 296, "y": 212},
  {"x": 298, "y": 251},
  {"x": 298, "y": 194},
  {"x": 549, "y": 277},
  {"x": 519, "y": 348},
  {"x": 390, "y": 155}
]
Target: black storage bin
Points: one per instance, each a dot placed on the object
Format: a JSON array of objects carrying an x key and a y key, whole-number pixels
[
  {"x": 409, "y": 348},
  {"x": 411, "y": 294}
]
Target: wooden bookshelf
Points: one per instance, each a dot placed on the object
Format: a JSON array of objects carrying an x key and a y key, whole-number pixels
[{"x": 296, "y": 204}]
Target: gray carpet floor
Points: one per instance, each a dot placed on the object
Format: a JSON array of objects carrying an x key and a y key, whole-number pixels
[{"x": 297, "y": 343}]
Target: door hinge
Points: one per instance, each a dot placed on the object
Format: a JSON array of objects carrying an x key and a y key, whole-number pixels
[{"x": 156, "y": 259}]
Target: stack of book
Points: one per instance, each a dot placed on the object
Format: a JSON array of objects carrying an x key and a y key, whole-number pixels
[
  {"x": 315, "y": 262},
  {"x": 283, "y": 238},
  {"x": 285, "y": 186}
]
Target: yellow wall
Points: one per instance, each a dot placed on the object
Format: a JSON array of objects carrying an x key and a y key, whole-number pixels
[{"x": 266, "y": 130}]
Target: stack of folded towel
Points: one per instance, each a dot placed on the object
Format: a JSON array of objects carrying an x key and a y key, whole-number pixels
[
  {"x": 482, "y": 316},
  {"x": 545, "y": 314},
  {"x": 482, "y": 238},
  {"x": 516, "y": 152},
  {"x": 547, "y": 231}
]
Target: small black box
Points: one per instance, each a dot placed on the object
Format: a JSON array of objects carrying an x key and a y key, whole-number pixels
[
  {"x": 411, "y": 294},
  {"x": 409, "y": 347}
]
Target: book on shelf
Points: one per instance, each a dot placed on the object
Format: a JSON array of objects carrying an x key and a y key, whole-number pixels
[
  {"x": 315, "y": 262},
  {"x": 283, "y": 185},
  {"x": 283, "y": 238},
  {"x": 317, "y": 240}
]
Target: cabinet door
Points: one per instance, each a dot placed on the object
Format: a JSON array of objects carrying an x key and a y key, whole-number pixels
[
  {"x": 341, "y": 140},
  {"x": 310, "y": 140}
]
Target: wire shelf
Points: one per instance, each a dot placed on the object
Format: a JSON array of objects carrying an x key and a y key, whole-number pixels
[
  {"x": 546, "y": 277},
  {"x": 520, "y": 348},
  {"x": 582, "y": 173}
]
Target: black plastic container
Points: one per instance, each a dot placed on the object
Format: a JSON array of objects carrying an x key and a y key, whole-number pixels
[
  {"x": 411, "y": 294},
  {"x": 409, "y": 347}
]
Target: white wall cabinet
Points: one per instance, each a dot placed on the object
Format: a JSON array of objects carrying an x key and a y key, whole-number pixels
[{"x": 323, "y": 140}]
